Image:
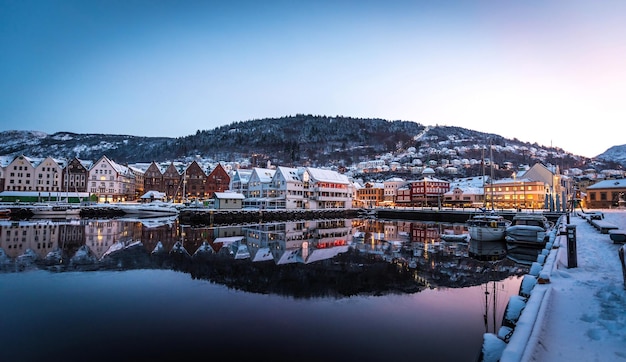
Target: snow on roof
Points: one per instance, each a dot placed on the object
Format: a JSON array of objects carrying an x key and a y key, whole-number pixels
[
  {"x": 319, "y": 174},
  {"x": 326, "y": 253},
  {"x": 288, "y": 256},
  {"x": 262, "y": 254},
  {"x": 467, "y": 190},
  {"x": 5, "y": 161},
  {"x": 608, "y": 184},
  {"x": 228, "y": 240},
  {"x": 229, "y": 195},
  {"x": 265, "y": 175},
  {"x": 290, "y": 173}
]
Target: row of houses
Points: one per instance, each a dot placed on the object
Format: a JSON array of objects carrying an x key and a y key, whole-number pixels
[
  {"x": 535, "y": 188},
  {"x": 280, "y": 187},
  {"x": 108, "y": 181}
]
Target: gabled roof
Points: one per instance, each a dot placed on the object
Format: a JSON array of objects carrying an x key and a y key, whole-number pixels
[
  {"x": 242, "y": 175},
  {"x": 325, "y": 253},
  {"x": 116, "y": 166},
  {"x": 289, "y": 173},
  {"x": 288, "y": 256},
  {"x": 32, "y": 161},
  {"x": 319, "y": 174},
  {"x": 539, "y": 172},
  {"x": 86, "y": 163},
  {"x": 261, "y": 254},
  {"x": 264, "y": 175}
]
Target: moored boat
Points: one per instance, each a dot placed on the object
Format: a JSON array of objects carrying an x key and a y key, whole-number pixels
[
  {"x": 55, "y": 210},
  {"x": 152, "y": 209},
  {"x": 529, "y": 230},
  {"x": 487, "y": 227}
]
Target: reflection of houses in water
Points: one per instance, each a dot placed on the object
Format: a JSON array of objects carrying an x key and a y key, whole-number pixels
[
  {"x": 286, "y": 248},
  {"x": 424, "y": 232},
  {"x": 297, "y": 241},
  {"x": 215, "y": 234},
  {"x": 232, "y": 246},
  {"x": 454, "y": 229},
  {"x": 166, "y": 233},
  {"x": 329, "y": 238},
  {"x": 71, "y": 236},
  {"x": 397, "y": 230},
  {"x": 194, "y": 237},
  {"x": 100, "y": 235},
  {"x": 16, "y": 237}
]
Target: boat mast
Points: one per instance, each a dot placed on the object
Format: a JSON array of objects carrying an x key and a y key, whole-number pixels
[
  {"x": 483, "y": 165},
  {"x": 491, "y": 172},
  {"x": 67, "y": 181}
]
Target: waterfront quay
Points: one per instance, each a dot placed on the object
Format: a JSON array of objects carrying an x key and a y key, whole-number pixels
[
  {"x": 210, "y": 216},
  {"x": 207, "y": 216},
  {"x": 217, "y": 216}
]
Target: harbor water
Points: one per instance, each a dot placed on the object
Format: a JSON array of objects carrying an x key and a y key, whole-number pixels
[{"x": 131, "y": 290}]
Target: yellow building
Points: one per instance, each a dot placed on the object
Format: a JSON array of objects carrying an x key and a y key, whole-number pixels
[
  {"x": 516, "y": 194},
  {"x": 371, "y": 195}
]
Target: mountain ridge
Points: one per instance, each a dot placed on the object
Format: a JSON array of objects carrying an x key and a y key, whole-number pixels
[{"x": 296, "y": 140}]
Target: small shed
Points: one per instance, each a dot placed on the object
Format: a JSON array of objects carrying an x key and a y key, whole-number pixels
[{"x": 228, "y": 200}]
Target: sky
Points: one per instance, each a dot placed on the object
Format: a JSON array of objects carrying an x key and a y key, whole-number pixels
[
  {"x": 581, "y": 315},
  {"x": 550, "y": 72}
]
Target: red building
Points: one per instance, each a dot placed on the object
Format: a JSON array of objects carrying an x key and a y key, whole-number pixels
[
  {"x": 428, "y": 191},
  {"x": 217, "y": 181}
]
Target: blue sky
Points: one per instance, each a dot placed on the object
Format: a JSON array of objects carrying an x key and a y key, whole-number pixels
[{"x": 551, "y": 72}]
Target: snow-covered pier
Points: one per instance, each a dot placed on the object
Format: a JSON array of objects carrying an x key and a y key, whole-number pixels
[{"x": 573, "y": 300}]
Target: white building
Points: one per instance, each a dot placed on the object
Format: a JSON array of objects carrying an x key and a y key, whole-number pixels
[
  {"x": 19, "y": 174},
  {"x": 326, "y": 189},
  {"x": 47, "y": 177},
  {"x": 111, "y": 181},
  {"x": 288, "y": 188},
  {"x": 391, "y": 188},
  {"x": 260, "y": 181},
  {"x": 239, "y": 179}
]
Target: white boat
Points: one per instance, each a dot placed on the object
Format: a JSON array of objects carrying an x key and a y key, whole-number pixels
[
  {"x": 487, "y": 227},
  {"x": 55, "y": 210},
  {"x": 529, "y": 230},
  {"x": 152, "y": 209}
]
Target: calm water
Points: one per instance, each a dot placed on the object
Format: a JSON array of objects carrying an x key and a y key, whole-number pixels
[{"x": 300, "y": 291}]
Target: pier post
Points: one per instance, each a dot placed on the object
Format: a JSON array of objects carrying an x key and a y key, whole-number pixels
[
  {"x": 621, "y": 252},
  {"x": 572, "y": 261}
]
